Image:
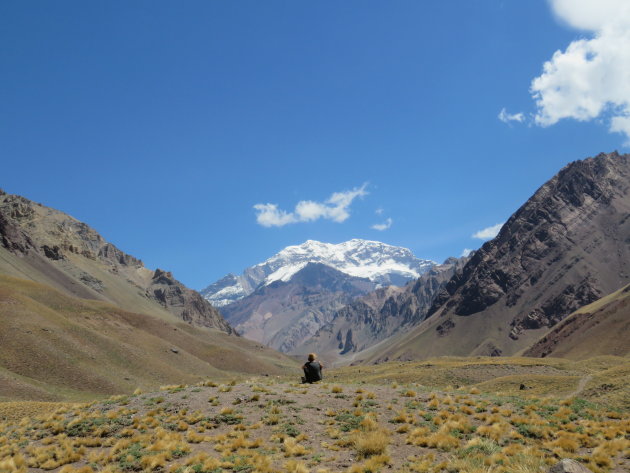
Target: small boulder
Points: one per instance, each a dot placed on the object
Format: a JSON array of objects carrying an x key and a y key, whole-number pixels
[
  {"x": 569, "y": 466},
  {"x": 174, "y": 350}
]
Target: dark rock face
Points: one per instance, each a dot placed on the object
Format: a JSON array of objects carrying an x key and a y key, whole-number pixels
[
  {"x": 112, "y": 254},
  {"x": 184, "y": 302},
  {"x": 349, "y": 344},
  {"x": 53, "y": 253},
  {"x": 12, "y": 238},
  {"x": 445, "y": 327},
  {"x": 564, "y": 248}
]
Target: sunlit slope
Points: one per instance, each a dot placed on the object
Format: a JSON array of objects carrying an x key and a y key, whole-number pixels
[
  {"x": 65, "y": 277},
  {"x": 603, "y": 379},
  {"x": 43, "y": 244},
  {"x": 58, "y": 347}
]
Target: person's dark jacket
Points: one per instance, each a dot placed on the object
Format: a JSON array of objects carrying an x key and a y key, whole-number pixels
[{"x": 312, "y": 371}]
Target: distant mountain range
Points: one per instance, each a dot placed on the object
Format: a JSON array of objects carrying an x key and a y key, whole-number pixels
[
  {"x": 285, "y": 300},
  {"x": 380, "y": 263}
]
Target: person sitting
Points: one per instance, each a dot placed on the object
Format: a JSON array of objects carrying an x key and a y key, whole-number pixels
[{"x": 312, "y": 369}]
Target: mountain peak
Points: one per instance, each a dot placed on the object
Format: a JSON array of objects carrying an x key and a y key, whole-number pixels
[{"x": 379, "y": 262}]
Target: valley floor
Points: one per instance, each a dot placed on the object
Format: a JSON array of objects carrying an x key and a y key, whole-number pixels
[{"x": 270, "y": 424}]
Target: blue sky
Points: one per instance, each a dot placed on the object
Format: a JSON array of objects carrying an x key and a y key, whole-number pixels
[{"x": 163, "y": 124}]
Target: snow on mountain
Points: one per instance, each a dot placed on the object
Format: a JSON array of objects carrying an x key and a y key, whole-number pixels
[{"x": 379, "y": 262}]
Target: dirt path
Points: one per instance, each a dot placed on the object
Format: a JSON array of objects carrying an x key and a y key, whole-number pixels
[{"x": 583, "y": 382}]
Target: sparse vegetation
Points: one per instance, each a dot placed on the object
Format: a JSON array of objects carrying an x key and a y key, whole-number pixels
[{"x": 270, "y": 426}]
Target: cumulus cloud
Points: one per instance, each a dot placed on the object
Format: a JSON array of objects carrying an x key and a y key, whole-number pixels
[
  {"x": 591, "y": 78},
  {"x": 506, "y": 117},
  {"x": 466, "y": 252},
  {"x": 488, "y": 233},
  {"x": 383, "y": 226},
  {"x": 335, "y": 208}
]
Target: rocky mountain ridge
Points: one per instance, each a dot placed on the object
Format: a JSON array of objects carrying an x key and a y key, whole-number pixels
[
  {"x": 46, "y": 245},
  {"x": 375, "y": 317},
  {"x": 566, "y": 247},
  {"x": 381, "y": 263}
]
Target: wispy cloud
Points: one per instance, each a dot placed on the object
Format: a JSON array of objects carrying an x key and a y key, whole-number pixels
[
  {"x": 488, "y": 233},
  {"x": 506, "y": 117},
  {"x": 591, "y": 78},
  {"x": 379, "y": 211},
  {"x": 335, "y": 208},
  {"x": 466, "y": 252},
  {"x": 383, "y": 226}
]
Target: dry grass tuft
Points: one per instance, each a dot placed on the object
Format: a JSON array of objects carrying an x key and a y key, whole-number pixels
[{"x": 369, "y": 443}]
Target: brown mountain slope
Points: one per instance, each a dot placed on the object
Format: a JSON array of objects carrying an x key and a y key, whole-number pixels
[
  {"x": 58, "y": 347},
  {"x": 566, "y": 247},
  {"x": 600, "y": 328},
  {"x": 48, "y": 246},
  {"x": 284, "y": 314},
  {"x": 373, "y": 318}
]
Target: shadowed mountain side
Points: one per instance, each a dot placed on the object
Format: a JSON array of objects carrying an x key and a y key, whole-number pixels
[
  {"x": 57, "y": 347},
  {"x": 48, "y": 246},
  {"x": 566, "y": 247},
  {"x": 375, "y": 317},
  {"x": 600, "y": 328},
  {"x": 284, "y": 314}
]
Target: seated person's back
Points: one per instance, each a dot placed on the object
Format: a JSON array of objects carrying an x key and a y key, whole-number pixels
[{"x": 312, "y": 369}]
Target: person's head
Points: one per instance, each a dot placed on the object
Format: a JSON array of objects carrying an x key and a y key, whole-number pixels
[{"x": 312, "y": 356}]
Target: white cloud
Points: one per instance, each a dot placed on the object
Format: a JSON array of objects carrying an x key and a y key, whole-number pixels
[
  {"x": 466, "y": 252},
  {"x": 379, "y": 211},
  {"x": 591, "y": 78},
  {"x": 383, "y": 226},
  {"x": 488, "y": 233},
  {"x": 335, "y": 208},
  {"x": 270, "y": 216},
  {"x": 506, "y": 117}
]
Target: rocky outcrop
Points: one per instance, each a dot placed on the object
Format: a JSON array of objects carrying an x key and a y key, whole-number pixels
[
  {"x": 184, "y": 302},
  {"x": 12, "y": 237},
  {"x": 349, "y": 344},
  {"x": 567, "y": 465}
]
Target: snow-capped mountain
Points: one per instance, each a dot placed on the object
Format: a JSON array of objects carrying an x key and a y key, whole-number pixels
[{"x": 381, "y": 263}]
